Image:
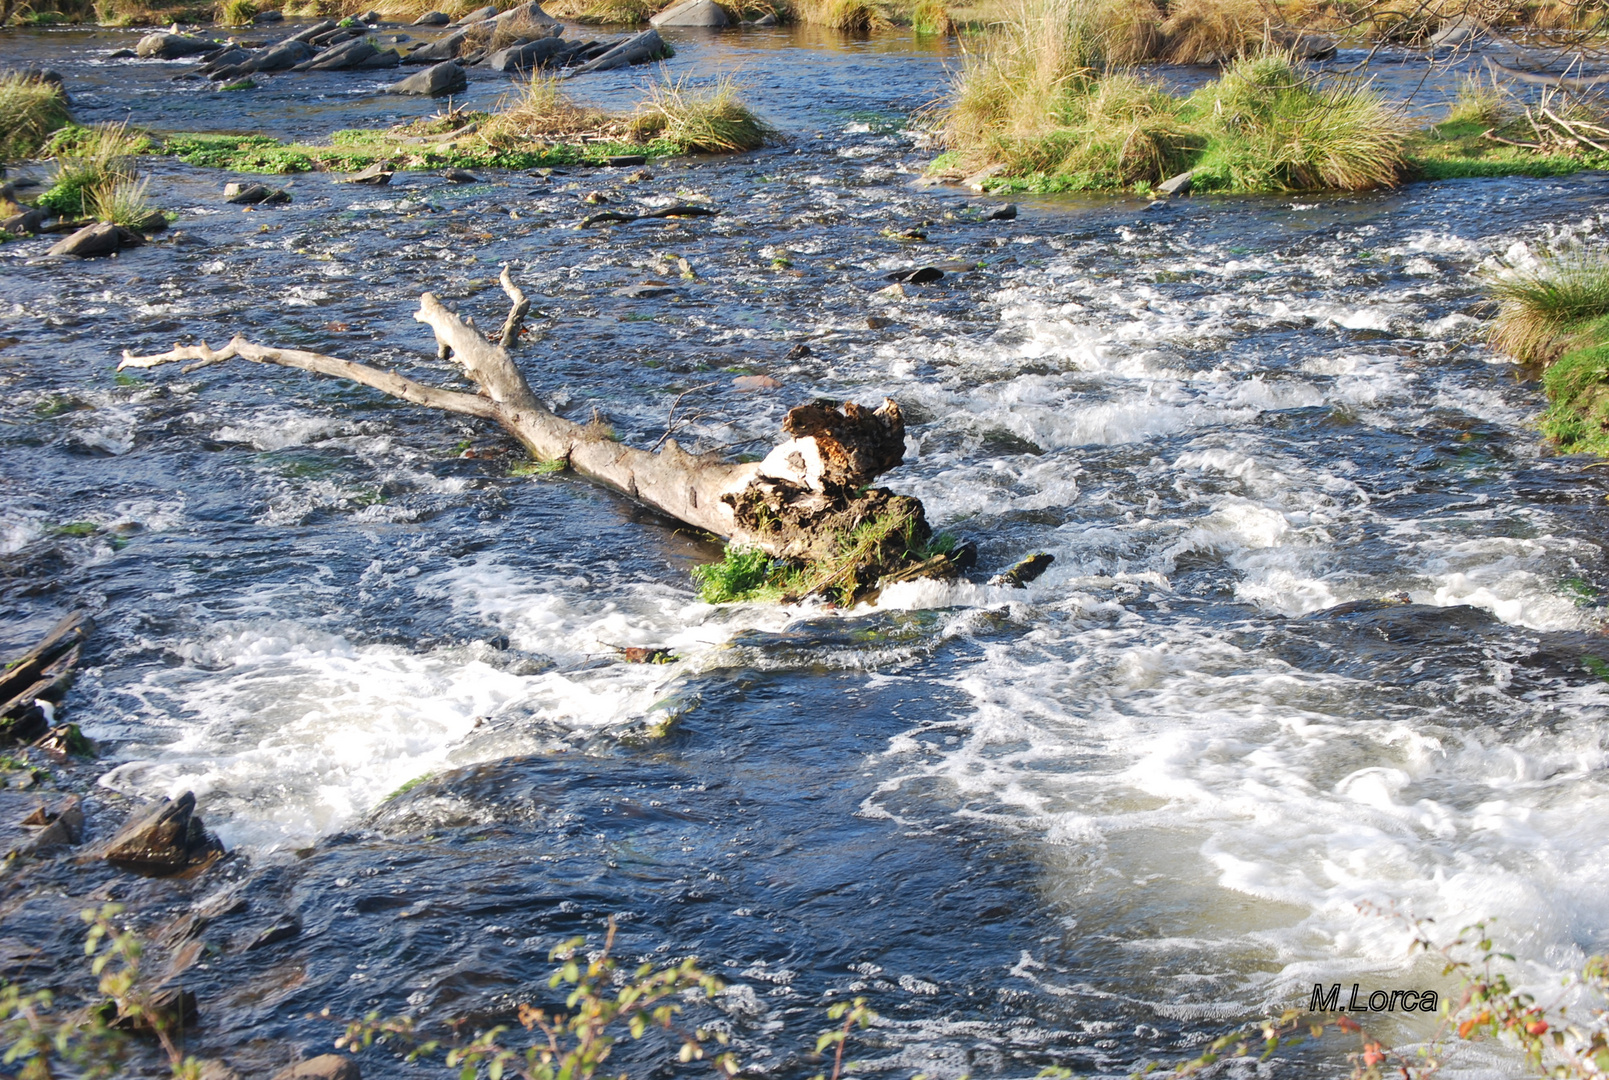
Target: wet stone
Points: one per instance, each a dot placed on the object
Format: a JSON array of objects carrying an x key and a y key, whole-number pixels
[
  {"x": 433, "y": 18},
  {"x": 166, "y": 837},
  {"x": 248, "y": 194},
  {"x": 460, "y": 176},
  {"x": 323, "y": 1067},
  {"x": 101, "y": 238}
]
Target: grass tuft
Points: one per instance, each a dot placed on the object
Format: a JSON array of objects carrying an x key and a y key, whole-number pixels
[
  {"x": 90, "y": 160},
  {"x": 30, "y": 110},
  {"x": 743, "y": 574},
  {"x": 237, "y": 12},
  {"x": 931, "y": 17},
  {"x": 1479, "y": 102},
  {"x": 711, "y": 120},
  {"x": 1216, "y": 31},
  {"x": 120, "y": 200},
  {"x": 1546, "y": 310}
]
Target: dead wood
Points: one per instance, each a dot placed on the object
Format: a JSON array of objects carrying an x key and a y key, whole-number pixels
[
  {"x": 42, "y": 674},
  {"x": 802, "y": 502}
]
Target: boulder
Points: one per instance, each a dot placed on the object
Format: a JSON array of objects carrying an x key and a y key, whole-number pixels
[
  {"x": 282, "y": 930},
  {"x": 323, "y": 1067},
  {"x": 247, "y": 194},
  {"x": 691, "y": 13},
  {"x": 477, "y": 16},
  {"x": 282, "y": 57},
  {"x": 530, "y": 14},
  {"x": 226, "y": 59},
  {"x": 174, "y": 1010},
  {"x": 444, "y": 78},
  {"x": 385, "y": 58},
  {"x": 1177, "y": 185},
  {"x": 26, "y": 223},
  {"x": 532, "y": 54},
  {"x": 375, "y": 175},
  {"x": 263, "y": 18},
  {"x": 640, "y": 49},
  {"x": 311, "y": 32},
  {"x": 59, "y": 826},
  {"x": 347, "y": 55},
  {"x": 1007, "y": 212},
  {"x": 172, "y": 46},
  {"x": 101, "y": 238},
  {"x": 164, "y": 838},
  {"x": 432, "y": 18},
  {"x": 460, "y": 176},
  {"x": 371, "y": 17},
  {"x": 1455, "y": 33},
  {"x": 446, "y": 48},
  {"x": 1304, "y": 46}
]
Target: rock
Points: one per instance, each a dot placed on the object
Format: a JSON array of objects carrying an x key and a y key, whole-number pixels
[
  {"x": 59, "y": 826},
  {"x": 460, "y": 176},
  {"x": 263, "y": 18},
  {"x": 313, "y": 31},
  {"x": 640, "y": 49},
  {"x": 756, "y": 382},
  {"x": 282, "y": 930},
  {"x": 1456, "y": 33},
  {"x": 877, "y": 322},
  {"x": 799, "y": 352},
  {"x": 225, "y": 59},
  {"x": 1024, "y": 571},
  {"x": 768, "y": 19},
  {"x": 1007, "y": 212},
  {"x": 282, "y": 57},
  {"x": 446, "y": 48},
  {"x": 164, "y": 838},
  {"x": 334, "y": 37},
  {"x": 625, "y": 161},
  {"x": 1177, "y": 185},
  {"x": 1303, "y": 46},
  {"x": 375, "y": 175},
  {"x": 432, "y": 18},
  {"x": 386, "y": 58},
  {"x": 122, "y": 54},
  {"x": 172, "y": 46},
  {"x": 248, "y": 194},
  {"x": 323, "y": 1067},
  {"x": 916, "y": 275},
  {"x": 348, "y": 54},
  {"x": 643, "y": 292},
  {"x": 101, "y": 238},
  {"x": 479, "y": 15},
  {"x": 526, "y": 57},
  {"x": 175, "y": 1010},
  {"x": 443, "y": 78},
  {"x": 26, "y": 223},
  {"x": 371, "y": 17},
  {"x": 212, "y": 1068},
  {"x": 531, "y": 14},
  {"x": 978, "y": 180},
  {"x": 691, "y": 13}
]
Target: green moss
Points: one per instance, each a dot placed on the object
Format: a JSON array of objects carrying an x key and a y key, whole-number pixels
[
  {"x": 1577, "y": 385},
  {"x": 409, "y": 786},
  {"x": 351, "y": 151},
  {"x": 77, "y": 528},
  {"x": 538, "y": 468},
  {"x": 744, "y": 574}
]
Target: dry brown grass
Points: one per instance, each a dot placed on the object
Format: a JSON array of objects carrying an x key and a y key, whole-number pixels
[
  {"x": 1216, "y": 31},
  {"x": 605, "y": 12},
  {"x": 544, "y": 112},
  {"x": 707, "y": 120}
]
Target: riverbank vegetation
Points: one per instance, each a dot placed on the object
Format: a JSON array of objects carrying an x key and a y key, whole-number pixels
[{"x": 1555, "y": 314}]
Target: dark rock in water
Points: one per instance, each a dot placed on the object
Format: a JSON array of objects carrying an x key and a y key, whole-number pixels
[
  {"x": 371, "y": 17},
  {"x": 313, "y": 31},
  {"x": 254, "y": 194},
  {"x": 386, "y": 58},
  {"x": 525, "y": 57},
  {"x": 460, "y": 176},
  {"x": 164, "y": 838},
  {"x": 282, "y": 57},
  {"x": 643, "y": 292},
  {"x": 282, "y": 930},
  {"x": 477, "y": 16},
  {"x": 798, "y": 352},
  {"x": 154, "y": 222},
  {"x": 1007, "y": 212},
  {"x": 1176, "y": 185},
  {"x": 262, "y": 18},
  {"x": 122, "y": 54},
  {"x": 1025, "y": 571},
  {"x": 433, "y": 18},
  {"x": 26, "y": 223},
  {"x": 323, "y": 1067},
  {"x": 59, "y": 826},
  {"x": 916, "y": 275},
  {"x": 334, "y": 37},
  {"x": 623, "y": 161},
  {"x": 443, "y": 78},
  {"x": 877, "y": 322},
  {"x": 101, "y": 238},
  {"x": 705, "y": 13},
  {"x": 172, "y": 46},
  {"x": 342, "y": 57},
  {"x": 646, "y": 46},
  {"x": 446, "y": 48},
  {"x": 224, "y": 59}
]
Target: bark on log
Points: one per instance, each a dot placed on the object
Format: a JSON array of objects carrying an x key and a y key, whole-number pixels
[{"x": 799, "y": 503}]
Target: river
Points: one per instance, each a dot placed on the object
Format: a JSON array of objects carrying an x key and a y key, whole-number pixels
[{"x": 1309, "y": 661}]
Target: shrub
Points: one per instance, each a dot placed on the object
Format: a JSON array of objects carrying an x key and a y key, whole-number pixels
[
  {"x": 1214, "y": 31},
  {"x": 237, "y": 12},
  {"x": 1546, "y": 309},
  {"x": 712, "y": 120},
  {"x": 30, "y": 110},
  {"x": 931, "y": 17}
]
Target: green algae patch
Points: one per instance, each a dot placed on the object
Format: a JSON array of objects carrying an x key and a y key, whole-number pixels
[{"x": 353, "y": 151}]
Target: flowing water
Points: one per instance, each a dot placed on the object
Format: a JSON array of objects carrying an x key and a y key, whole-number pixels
[{"x": 1315, "y": 654}]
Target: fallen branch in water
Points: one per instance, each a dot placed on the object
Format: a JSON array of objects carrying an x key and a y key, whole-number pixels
[{"x": 801, "y": 503}]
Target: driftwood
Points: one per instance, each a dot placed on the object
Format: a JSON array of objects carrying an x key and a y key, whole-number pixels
[
  {"x": 32, "y": 685},
  {"x": 800, "y": 503}
]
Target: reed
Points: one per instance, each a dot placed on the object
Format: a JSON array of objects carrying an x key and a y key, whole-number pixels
[
  {"x": 30, "y": 110},
  {"x": 1547, "y": 309},
  {"x": 708, "y": 120}
]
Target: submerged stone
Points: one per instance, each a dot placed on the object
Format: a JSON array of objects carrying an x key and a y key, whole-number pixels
[{"x": 443, "y": 78}]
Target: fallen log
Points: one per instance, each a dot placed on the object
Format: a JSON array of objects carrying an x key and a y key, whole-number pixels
[
  {"x": 33, "y": 685},
  {"x": 810, "y": 501}
]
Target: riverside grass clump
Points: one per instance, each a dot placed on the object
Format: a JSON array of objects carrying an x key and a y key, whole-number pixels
[
  {"x": 95, "y": 168},
  {"x": 30, "y": 111},
  {"x": 1556, "y": 314},
  {"x": 540, "y": 126},
  {"x": 1044, "y": 111}
]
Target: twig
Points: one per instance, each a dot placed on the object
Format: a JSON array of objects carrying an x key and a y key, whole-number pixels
[
  {"x": 670, "y": 421},
  {"x": 1565, "y": 125},
  {"x": 1511, "y": 142}
]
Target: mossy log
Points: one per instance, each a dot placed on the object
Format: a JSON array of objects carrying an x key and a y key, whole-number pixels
[{"x": 800, "y": 503}]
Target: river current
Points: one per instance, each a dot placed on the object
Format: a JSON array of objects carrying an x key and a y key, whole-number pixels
[{"x": 1315, "y": 654}]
